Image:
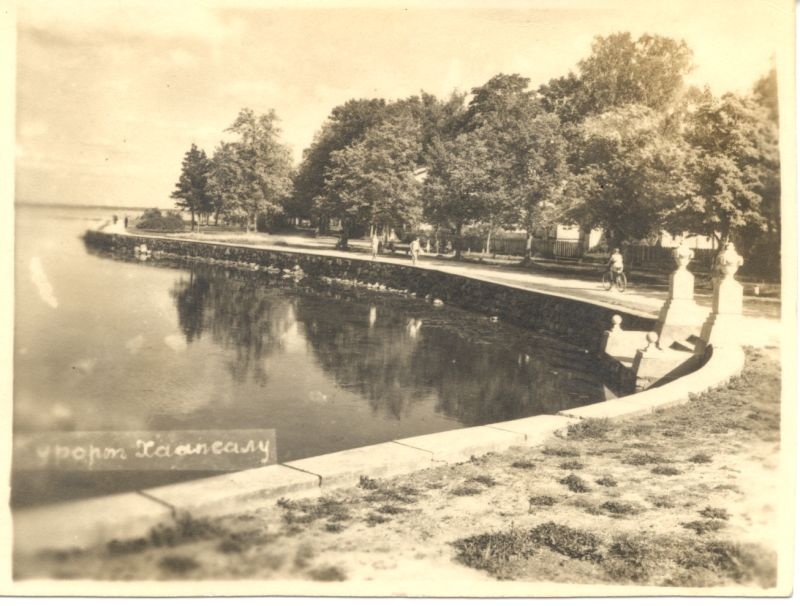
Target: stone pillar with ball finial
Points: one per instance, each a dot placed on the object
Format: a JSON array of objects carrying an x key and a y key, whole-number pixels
[
  {"x": 680, "y": 317},
  {"x": 723, "y": 325}
]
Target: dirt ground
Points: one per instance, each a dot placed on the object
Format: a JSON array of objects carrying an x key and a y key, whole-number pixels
[{"x": 684, "y": 497}]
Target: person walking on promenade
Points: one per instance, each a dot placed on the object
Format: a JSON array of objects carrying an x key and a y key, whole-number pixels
[
  {"x": 415, "y": 248},
  {"x": 376, "y": 244}
]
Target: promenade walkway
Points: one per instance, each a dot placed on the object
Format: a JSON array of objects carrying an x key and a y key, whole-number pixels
[{"x": 761, "y": 324}]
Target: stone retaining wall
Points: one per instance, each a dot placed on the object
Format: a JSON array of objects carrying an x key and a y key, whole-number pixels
[{"x": 579, "y": 322}]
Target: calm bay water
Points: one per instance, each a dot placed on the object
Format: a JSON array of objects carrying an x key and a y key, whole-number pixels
[{"x": 109, "y": 344}]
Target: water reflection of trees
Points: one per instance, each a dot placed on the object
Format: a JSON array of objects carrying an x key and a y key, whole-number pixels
[
  {"x": 240, "y": 313},
  {"x": 395, "y": 358},
  {"x": 475, "y": 383}
]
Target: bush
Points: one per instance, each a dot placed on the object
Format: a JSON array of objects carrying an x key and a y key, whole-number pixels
[{"x": 153, "y": 220}]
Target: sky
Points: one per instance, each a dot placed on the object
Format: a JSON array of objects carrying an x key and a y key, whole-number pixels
[{"x": 110, "y": 95}]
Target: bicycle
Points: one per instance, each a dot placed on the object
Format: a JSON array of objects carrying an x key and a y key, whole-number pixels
[{"x": 617, "y": 279}]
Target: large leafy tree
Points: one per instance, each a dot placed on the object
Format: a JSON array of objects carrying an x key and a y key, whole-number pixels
[
  {"x": 620, "y": 71},
  {"x": 346, "y": 124},
  {"x": 459, "y": 181},
  {"x": 191, "y": 191},
  {"x": 499, "y": 115},
  {"x": 372, "y": 182},
  {"x": 264, "y": 166},
  {"x": 734, "y": 168},
  {"x": 224, "y": 179},
  {"x": 633, "y": 173},
  {"x": 541, "y": 176}
]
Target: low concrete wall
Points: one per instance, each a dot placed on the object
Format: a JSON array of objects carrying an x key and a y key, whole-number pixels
[
  {"x": 86, "y": 523},
  {"x": 579, "y": 322}
]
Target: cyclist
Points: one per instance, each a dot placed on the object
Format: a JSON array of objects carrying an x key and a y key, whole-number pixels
[{"x": 615, "y": 265}]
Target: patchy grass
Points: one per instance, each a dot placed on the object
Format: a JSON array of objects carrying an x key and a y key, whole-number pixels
[
  {"x": 715, "y": 513},
  {"x": 303, "y": 556},
  {"x": 523, "y": 464},
  {"x": 561, "y": 451},
  {"x": 402, "y": 494},
  {"x": 542, "y": 500},
  {"x": 662, "y": 502},
  {"x": 700, "y": 457},
  {"x": 575, "y": 483},
  {"x": 607, "y": 481},
  {"x": 465, "y": 490},
  {"x": 494, "y": 551},
  {"x": 485, "y": 480},
  {"x": 621, "y": 508},
  {"x": 308, "y": 511},
  {"x": 374, "y": 519},
  {"x": 704, "y": 526},
  {"x": 571, "y": 465},
  {"x": 328, "y": 574},
  {"x": 666, "y": 470},
  {"x": 643, "y": 458},
  {"x": 367, "y": 483},
  {"x": 589, "y": 429},
  {"x": 573, "y": 543},
  {"x": 391, "y": 510},
  {"x": 184, "y": 529},
  {"x": 178, "y": 564},
  {"x": 334, "y": 527}
]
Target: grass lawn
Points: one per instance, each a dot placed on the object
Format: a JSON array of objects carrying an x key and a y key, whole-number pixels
[{"x": 684, "y": 497}]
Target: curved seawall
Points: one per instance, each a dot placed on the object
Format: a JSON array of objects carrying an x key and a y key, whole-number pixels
[{"x": 578, "y": 321}]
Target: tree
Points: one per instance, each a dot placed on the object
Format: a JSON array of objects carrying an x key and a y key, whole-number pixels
[
  {"x": 458, "y": 183},
  {"x": 540, "y": 176},
  {"x": 500, "y": 115},
  {"x": 371, "y": 182},
  {"x": 191, "y": 190},
  {"x": 345, "y": 125},
  {"x": 735, "y": 165},
  {"x": 633, "y": 174},
  {"x": 224, "y": 179},
  {"x": 621, "y": 71},
  {"x": 264, "y": 166}
]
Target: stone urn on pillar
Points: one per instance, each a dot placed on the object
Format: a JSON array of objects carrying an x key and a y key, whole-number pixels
[
  {"x": 723, "y": 325},
  {"x": 680, "y": 317}
]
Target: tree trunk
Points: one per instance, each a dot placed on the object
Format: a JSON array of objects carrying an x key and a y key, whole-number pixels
[
  {"x": 528, "y": 248},
  {"x": 488, "y": 249},
  {"x": 192, "y": 219},
  {"x": 458, "y": 243}
]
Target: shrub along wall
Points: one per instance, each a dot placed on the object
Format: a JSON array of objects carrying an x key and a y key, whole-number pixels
[{"x": 579, "y": 322}]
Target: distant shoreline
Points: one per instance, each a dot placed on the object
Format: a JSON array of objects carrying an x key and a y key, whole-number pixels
[{"x": 83, "y": 206}]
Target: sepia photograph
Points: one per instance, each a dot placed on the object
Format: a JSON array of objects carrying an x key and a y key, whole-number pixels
[{"x": 425, "y": 299}]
